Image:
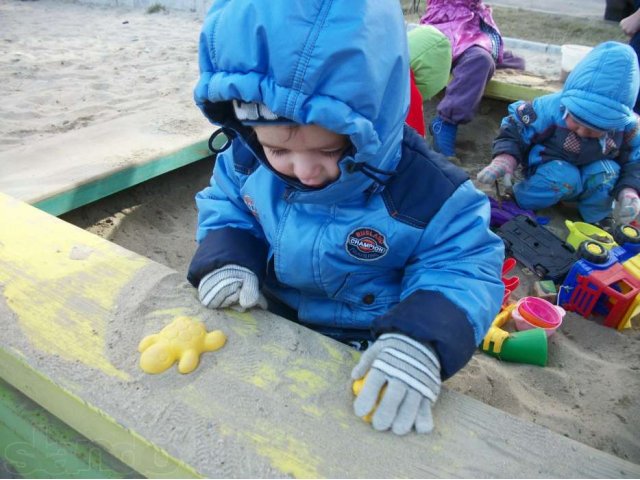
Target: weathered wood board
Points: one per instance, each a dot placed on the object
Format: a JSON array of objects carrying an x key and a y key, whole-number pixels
[
  {"x": 274, "y": 401},
  {"x": 80, "y": 166},
  {"x": 511, "y": 85}
]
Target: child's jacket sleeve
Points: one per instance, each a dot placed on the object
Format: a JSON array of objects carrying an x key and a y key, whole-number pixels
[
  {"x": 228, "y": 232},
  {"x": 526, "y": 124}
]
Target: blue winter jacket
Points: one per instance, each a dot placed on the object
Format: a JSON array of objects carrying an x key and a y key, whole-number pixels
[
  {"x": 600, "y": 92},
  {"x": 400, "y": 241}
]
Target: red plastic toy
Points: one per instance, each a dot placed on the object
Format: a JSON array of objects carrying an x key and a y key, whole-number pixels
[
  {"x": 510, "y": 283},
  {"x": 609, "y": 291}
]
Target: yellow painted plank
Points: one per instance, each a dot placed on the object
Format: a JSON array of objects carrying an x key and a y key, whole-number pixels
[
  {"x": 88, "y": 273},
  {"x": 274, "y": 401}
]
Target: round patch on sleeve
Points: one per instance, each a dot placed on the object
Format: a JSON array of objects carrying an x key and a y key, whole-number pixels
[
  {"x": 526, "y": 113},
  {"x": 367, "y": 244}
]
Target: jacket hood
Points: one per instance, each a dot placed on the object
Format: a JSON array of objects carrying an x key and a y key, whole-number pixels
[
  {"x": 602, "y": 88},
  {"x": 342, "y": 65}
]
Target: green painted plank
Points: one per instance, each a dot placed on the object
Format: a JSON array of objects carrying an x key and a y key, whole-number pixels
[
  {"x": 120, "y": 180},
  {"x": 124, "y": 444},
  {"x": 36, "y": 444}
]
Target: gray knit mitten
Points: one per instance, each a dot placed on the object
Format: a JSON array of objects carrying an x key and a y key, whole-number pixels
[
  {"x": 231, "y": 286},
  {"x": 411, "y": 373},
  {"x": 501, "y": 166},
  {"x": 628, "y": 206}
]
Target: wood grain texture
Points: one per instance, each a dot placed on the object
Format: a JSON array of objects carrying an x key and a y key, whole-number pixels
[{"x": 511, "y": 85}]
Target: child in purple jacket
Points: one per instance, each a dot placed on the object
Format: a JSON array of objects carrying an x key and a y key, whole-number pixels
[{"x": 477, "y": 49}]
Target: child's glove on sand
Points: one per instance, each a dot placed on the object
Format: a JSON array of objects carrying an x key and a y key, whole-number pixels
[
  {"x": 231, "y": 286},
  {"x": 411, "y": 373},
  {"x": 500, "y": 166},
  {"x": 629, "y": 205}
]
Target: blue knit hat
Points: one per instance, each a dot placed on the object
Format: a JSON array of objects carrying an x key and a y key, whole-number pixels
[{"x": 602, "y": 89}]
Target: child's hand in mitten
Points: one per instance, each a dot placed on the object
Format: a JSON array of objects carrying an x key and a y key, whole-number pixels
[
  {"x": 503, "y": 164},
  {"x": 408, "y": 373},
  {"x": 629, "y": 205},
  {"x": 231, "y": 286}
]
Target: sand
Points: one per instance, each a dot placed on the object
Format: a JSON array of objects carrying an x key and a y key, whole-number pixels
[{"x": 66, "y": 66}]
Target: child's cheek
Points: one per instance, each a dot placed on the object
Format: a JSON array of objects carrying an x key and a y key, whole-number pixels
[{"x": 280, "y": 165}]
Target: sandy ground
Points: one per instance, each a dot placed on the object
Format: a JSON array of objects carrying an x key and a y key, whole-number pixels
[{"x": 65, "y": 66}]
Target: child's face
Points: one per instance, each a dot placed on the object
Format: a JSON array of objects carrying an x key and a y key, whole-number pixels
[
  {"x": 308, "y": 153},
  {"x": 581, "y": 130}
]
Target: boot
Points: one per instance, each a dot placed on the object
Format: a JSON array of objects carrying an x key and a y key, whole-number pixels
[
  {"x": 616, "y": 10},
  {"x": 444, "y": 136}
]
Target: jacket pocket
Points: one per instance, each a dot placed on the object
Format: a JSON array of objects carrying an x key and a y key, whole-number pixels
[{"x": 369, "y": 290}]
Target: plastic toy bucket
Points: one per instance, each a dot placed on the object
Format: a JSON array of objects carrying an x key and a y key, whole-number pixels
[
  {"x": 571, "y": 56},
  {"x": 529, "y": 346},
  {"x": 580, "y": 232},
  {"x": 533, "y": 312}
]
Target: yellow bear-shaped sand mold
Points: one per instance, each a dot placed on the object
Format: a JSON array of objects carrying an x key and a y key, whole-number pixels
[{"x": 183, "y": 340}]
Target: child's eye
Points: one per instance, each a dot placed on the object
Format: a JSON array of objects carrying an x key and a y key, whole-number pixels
[
  {"x": 277, "y": 152},
  {"x": 333, "y": 153}
]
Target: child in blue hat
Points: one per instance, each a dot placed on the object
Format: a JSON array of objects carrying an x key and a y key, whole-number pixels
[
  {"x": 327, "y": 209},
  {"x": 581, "y": 144}
]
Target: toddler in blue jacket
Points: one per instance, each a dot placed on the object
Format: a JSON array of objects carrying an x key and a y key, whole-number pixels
[
  {"x": 581, "y": 144},
  {"x": 327, "y": 209}
]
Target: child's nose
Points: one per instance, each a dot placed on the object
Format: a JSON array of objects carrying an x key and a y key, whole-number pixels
[{"x": 305, "y": 169}]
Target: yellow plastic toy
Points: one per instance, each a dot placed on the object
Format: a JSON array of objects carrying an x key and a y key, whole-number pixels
[
  {"x": 632, "y": 265},
  {"x": 581, "y": 231},
  {"x": 496, "y": 335},
  {"x": 632, "y": 312},
  {"x": 356, "y": 387},
  {"x": 183, "y": 340}
]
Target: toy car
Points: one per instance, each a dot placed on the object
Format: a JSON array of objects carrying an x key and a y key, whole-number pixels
[{"x": 537, "y": 248}]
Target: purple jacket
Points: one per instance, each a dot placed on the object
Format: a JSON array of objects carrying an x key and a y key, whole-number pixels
[{"x": 461, "y": 21}]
